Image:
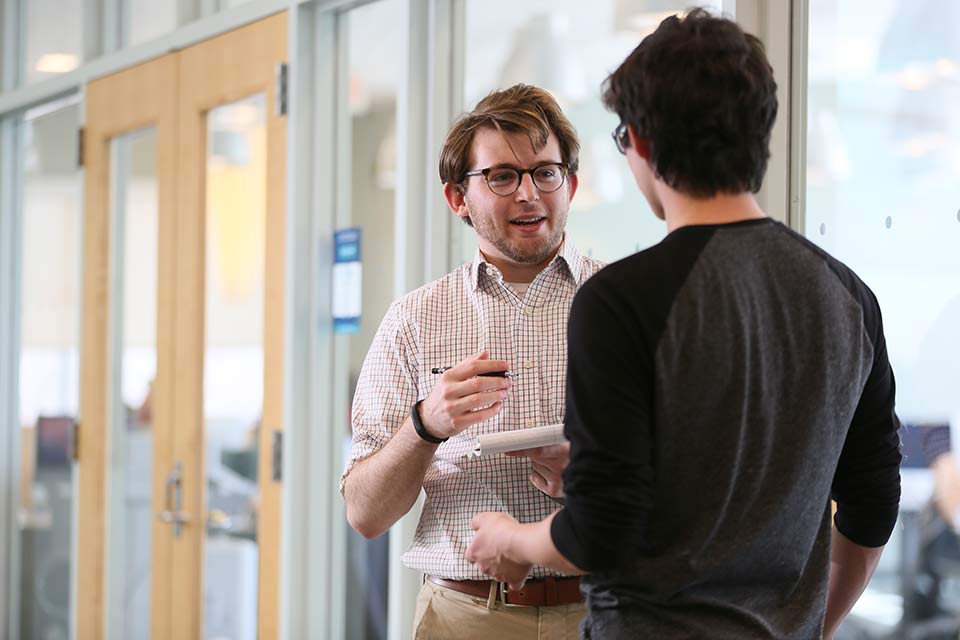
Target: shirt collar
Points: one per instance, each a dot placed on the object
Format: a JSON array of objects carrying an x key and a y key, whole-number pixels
[
  {"x": 568, "y": 255},
  {"x": 568, "y": 252}
]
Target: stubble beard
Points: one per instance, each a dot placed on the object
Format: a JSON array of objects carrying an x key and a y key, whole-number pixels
[{"x": 532, "y": 250}]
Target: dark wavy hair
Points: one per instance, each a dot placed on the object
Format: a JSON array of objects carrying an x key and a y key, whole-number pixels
[{"x": 701, "y": 91}]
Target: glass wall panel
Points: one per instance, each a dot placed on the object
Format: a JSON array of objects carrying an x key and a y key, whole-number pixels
[
  {"x": 133, "y": 363},
  {"x": 53, "y": 38},
  {"x": 882, "y": 194},
  {"x": 147, "y": 19},
  {"x": 233, "y": 363},
  {"x": 375, "y": 55},
  {"x": 49, "y": 366},
  {"x": 569, "y": 47}
]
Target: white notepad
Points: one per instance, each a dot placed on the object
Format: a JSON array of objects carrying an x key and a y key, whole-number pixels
[{"x": 490, "y": 444}]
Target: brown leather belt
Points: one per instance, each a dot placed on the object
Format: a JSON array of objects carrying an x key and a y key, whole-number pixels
[{"x": 542, "y": 592}]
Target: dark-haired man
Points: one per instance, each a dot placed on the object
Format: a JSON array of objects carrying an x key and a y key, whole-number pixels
[
  {"x": 509, "y": 170},
  {"x": 723, "y": 385}
]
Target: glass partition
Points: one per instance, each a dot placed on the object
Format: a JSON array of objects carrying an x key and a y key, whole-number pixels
[
  {"x": 374, "y": 65},
  {"x": 49, "y": 367},
  {"x": 145, "y": 20},
  {"x": 53, "y": 38},
  {"x": 882, "y": 194},
  {"x": 569, "y": 47}
]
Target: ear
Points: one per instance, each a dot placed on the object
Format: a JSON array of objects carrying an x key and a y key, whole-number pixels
[
  {"x": 574, "y": 182},
  {"x": 456, "y": 199},
  {"x": 638, "y": 144}
]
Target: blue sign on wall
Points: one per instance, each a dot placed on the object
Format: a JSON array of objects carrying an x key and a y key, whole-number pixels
[{"x": 347, "y": 281}]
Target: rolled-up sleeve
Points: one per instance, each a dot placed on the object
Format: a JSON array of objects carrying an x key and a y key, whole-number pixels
[{"x": 386, "y": 388}]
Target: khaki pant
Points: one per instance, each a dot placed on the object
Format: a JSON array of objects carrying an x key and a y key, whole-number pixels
[{"x": 443, "y": 613}]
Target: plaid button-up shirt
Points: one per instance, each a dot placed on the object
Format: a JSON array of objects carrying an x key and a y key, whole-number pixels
[{"x": 439, "y": 325}]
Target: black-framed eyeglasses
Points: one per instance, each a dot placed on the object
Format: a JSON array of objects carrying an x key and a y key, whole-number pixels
[
  {"x": 504, "y": 181},
  {"x": 621, "y": 138}
]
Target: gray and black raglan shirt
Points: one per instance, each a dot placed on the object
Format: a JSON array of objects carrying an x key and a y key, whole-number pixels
[{"x": 722, "y": 387}]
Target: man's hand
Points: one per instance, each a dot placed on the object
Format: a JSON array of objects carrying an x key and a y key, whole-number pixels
[
  {"x": 490, "y": 548},
  {"x": 461, "y": 399},
  {"x": 548, "y": 465}
]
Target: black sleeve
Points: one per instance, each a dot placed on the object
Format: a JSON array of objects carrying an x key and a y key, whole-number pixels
[
  {"x": 866, "y": 485},
  {"x": 609, "y": 479}
]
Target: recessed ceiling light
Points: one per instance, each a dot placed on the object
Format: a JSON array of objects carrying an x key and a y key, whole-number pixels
[{"x": 57, "y": 62}]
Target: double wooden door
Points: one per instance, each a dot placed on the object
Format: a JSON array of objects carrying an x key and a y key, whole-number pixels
[{"x": 182, "y": 343}]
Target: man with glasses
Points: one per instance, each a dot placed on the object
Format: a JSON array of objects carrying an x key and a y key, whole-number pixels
[
  {"x": 723, "y": 385},
  {"x": 480, "y": 350}
]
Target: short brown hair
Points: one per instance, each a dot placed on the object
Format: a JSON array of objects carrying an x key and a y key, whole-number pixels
[{"x": 519, "y": 109}]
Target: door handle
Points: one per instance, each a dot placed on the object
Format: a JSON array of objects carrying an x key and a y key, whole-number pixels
[{"x": 173, "y": 494}]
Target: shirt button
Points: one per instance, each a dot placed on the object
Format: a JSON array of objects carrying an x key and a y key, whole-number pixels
[
  {"x": 530, "y": 423},
  {"x": 528, "y": 364},
  {"x": 528, "y": 311}
]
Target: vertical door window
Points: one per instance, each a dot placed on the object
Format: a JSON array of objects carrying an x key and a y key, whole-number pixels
[
  {"x": 133, "y": 367},
  {"x": 233, "y": 363}
]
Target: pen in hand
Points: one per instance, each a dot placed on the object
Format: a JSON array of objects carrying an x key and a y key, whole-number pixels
[{"x": 488, "y": 374}]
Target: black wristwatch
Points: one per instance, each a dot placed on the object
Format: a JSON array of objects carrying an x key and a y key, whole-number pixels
[{"x": 420, "y": 429}]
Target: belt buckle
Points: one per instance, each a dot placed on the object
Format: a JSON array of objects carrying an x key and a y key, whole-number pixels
[{"x": 503, "y": 588}]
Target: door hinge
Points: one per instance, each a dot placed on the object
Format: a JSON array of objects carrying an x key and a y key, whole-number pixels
[
  {"x": 277, "y": 444},
  {"x": 81, "y": 144},
  {"x": 282, "y": 88}
]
